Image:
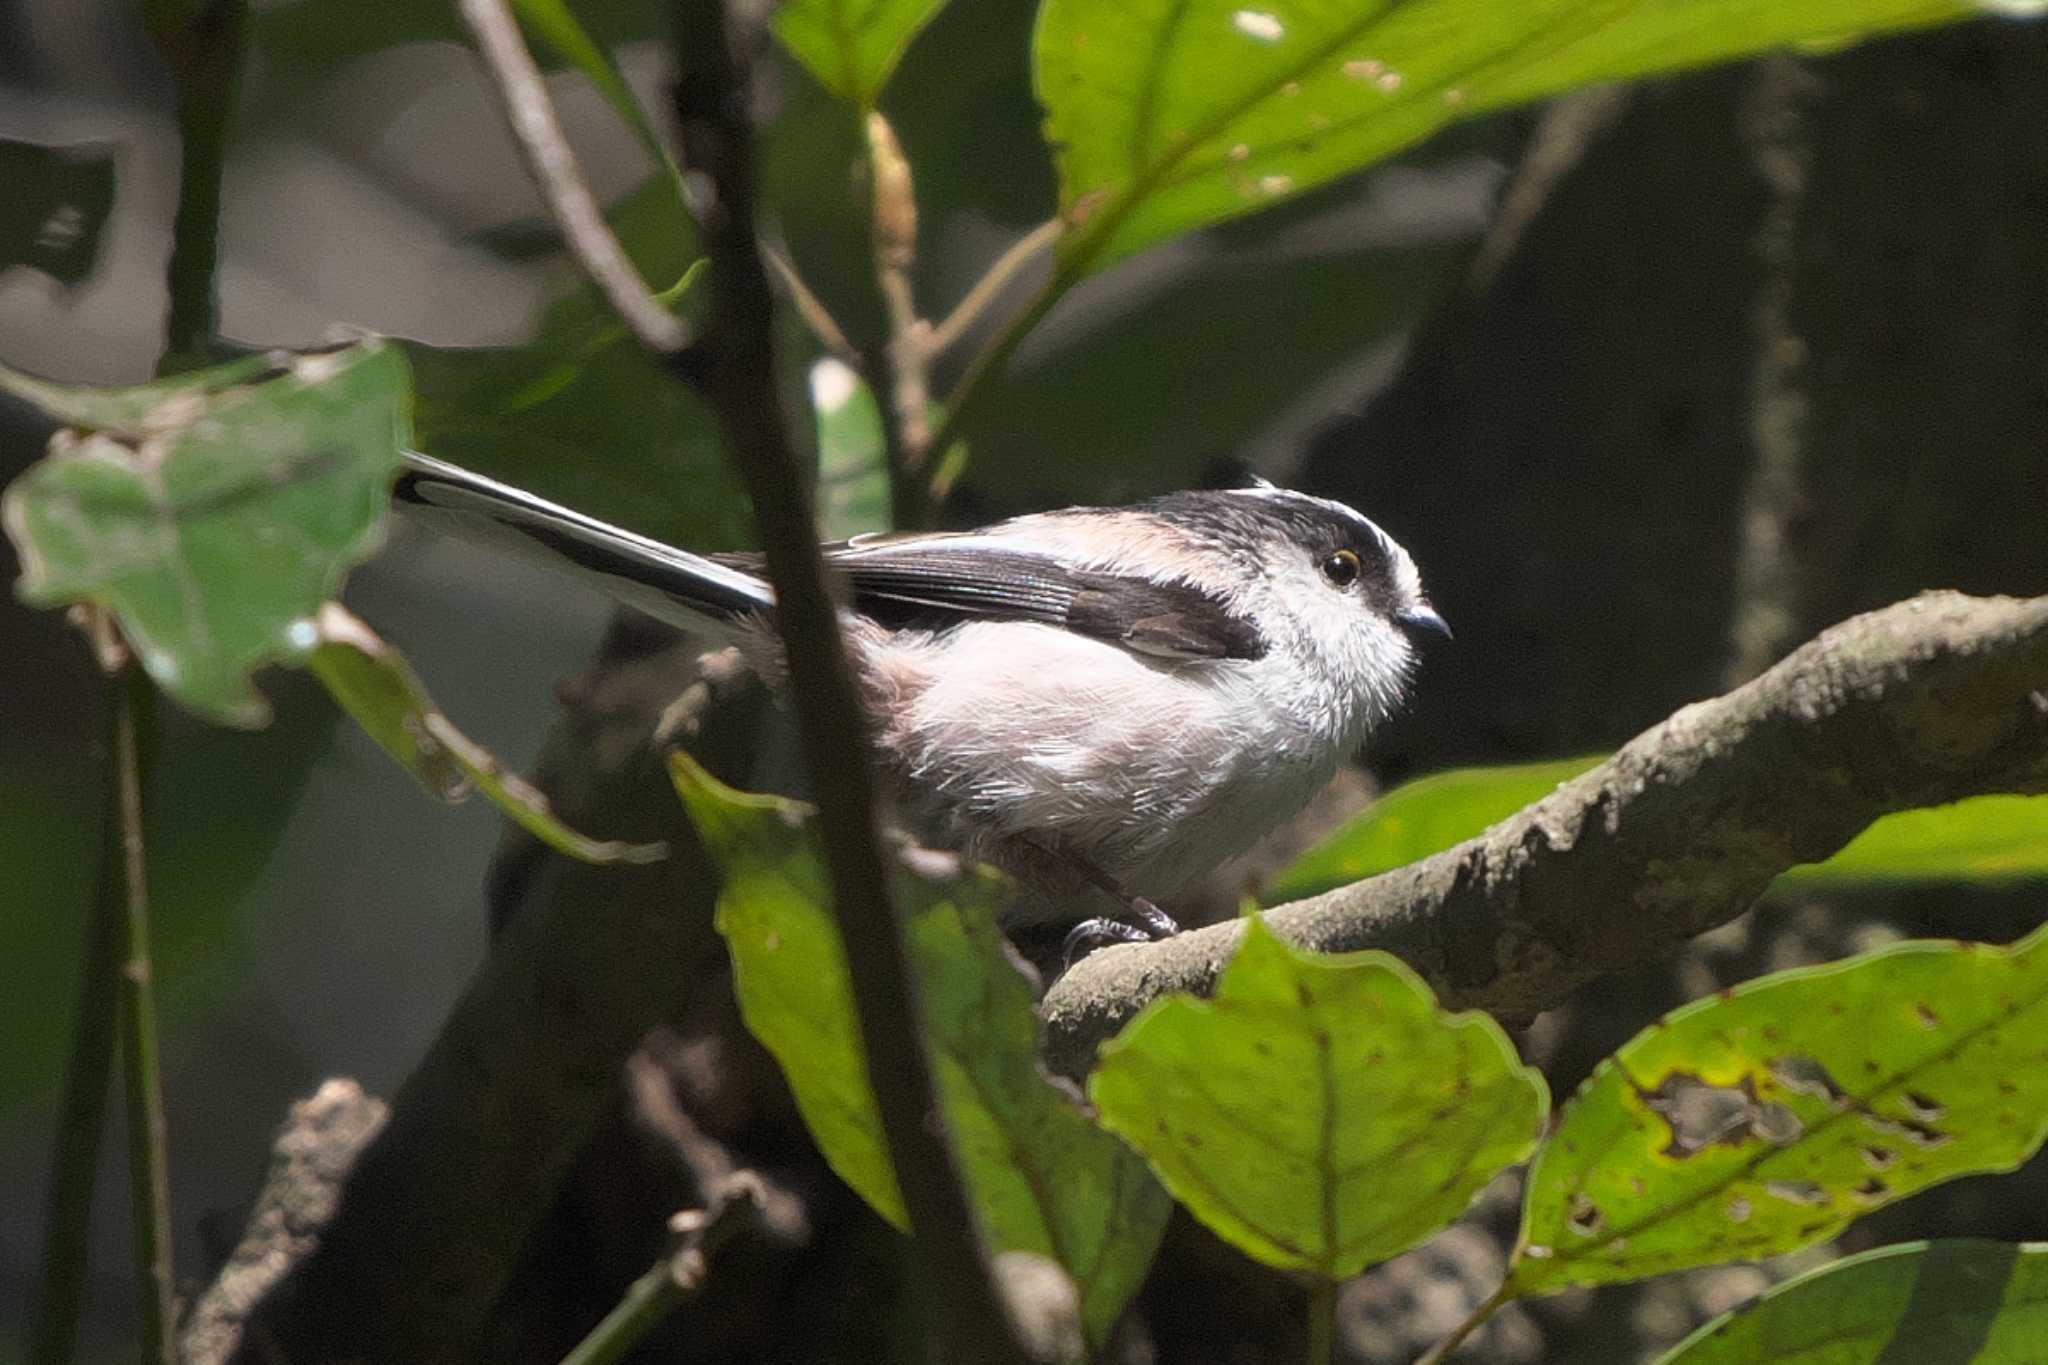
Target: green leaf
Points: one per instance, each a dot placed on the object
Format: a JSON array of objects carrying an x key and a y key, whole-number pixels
[
  {"x": 852, "y": 46},
  {"x": 1961, "y": 1302},
  {"x": 217, "y": 520},
  {"x": 1321, "y": 1113},
  {"x": 1045, "y": 1178},
  {"x": 1986, "y": 839},
  {"x": 853, "y": 462},
  {"x": 1767, "y": 1119},
  {"x": 1172, "y": 114},
  {"x": 582, "y": 415},
  {"x": 127, "y": 411},
  {"x": 374, "y": 684},
  {"x": 1417, "y": 819}
]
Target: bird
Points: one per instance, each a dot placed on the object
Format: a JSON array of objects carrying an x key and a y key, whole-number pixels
[{"x": 1110, "y": 699}]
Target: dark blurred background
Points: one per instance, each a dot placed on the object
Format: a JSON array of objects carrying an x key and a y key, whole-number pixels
[{"x": 1655, "y": 382}]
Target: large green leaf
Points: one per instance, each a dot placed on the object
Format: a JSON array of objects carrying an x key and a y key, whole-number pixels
[
  {"x": 852, "y": 46},
  {"x": 375, "y": 685},
  {"x": 1986, "y": 839},
  {"x": 1321, "y": 1113},
  {"x": 853, "y": 462},
  {"x": 1768, "y": 1118},
  {"x": 1171, "y": 114},
  {"x": 217, "y": 519},
  {"x": 1045, "y": 1178},
  {"x": 1962, "y": 1302}
]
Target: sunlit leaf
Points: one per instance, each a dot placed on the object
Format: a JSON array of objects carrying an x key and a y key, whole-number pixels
[
  {"x": 1986, "y": 839},
  {"x": 1320, "y": 1113},
  {"x": 853, "y": 464},
  {"x": 1045, "y": 1178},
  {"x": 1767, "y": 1119},
  {"x": 1171, "y": 114},
  {"x": 1961, "y": 1302},
  {"x": 377, "y": 687},
  {"x": 1417, "y": 819},
  {"x": 216, "y": 522},
  {"x": 852, "y": 46}
]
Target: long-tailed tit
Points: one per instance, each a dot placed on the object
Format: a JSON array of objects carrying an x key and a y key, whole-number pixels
[{"x": 1118, "y": 697}]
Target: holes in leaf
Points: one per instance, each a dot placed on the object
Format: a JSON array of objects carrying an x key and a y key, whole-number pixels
[
  {"x": 1808, "y": 1076},
  {"x": 1701, "y": 1115},
  {"x": 1805, "y": 1192},
  {"x": 1585, "y": 1217}
]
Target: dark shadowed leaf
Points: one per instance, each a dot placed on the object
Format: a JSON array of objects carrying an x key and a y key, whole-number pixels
[
  {"x": 852, "y": 46},
  {"x": 1171, "y": 114},
  {"x": 581, "y": 414},
  {"x": 1045, "y": 1178},
  {"x": 56, "y": 202},
  {"x": 1321, "y": 1113},
  {"x": 1961, "y": 1302},
  {"x": 375, "y": 685},
  {"x": 217, "y": 520},
  {"x": 1767, "y": 1119}
]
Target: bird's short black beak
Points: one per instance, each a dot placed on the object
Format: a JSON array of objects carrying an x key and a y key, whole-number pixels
[{"x": 1423, "y": 620}]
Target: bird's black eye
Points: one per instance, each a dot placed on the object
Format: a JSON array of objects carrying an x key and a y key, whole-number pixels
[{"x": 1341, "y": 568}]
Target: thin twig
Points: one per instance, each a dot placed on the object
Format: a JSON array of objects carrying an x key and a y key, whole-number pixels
[
  {"x": 811, "y": 308},
  {"x": 1322, "y": 1323},
  {"x": 993, "y": 282},
  {"x": 523, "y": 94},
  {"x": 901, "y": 366},
  {"x": 60, "y": 1291},
  {"x": 1472, "y": 1323},
  {"x": 133, "y": 701},
  {"x": 737, "y": 376},
  {"x": 670, "y": 1281},
  {"x": 974, "y": 387}
]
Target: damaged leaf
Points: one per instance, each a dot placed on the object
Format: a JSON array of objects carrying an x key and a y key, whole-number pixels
[
  {"x": 1045, "y": 1179},
  {"x": 376, "y": 686},
  {"x": 1961, "y": 1302},
  {"x": 1766, "y": 1119},
  {"x": 1320, "y": 1113},
  {"x": 214, "y": 513}
]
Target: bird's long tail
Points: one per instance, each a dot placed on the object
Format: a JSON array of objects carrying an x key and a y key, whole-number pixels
[{"x": 669, "y": 584}]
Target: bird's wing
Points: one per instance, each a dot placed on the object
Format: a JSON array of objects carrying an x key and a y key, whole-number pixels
[{"x": 938, "y": 580}]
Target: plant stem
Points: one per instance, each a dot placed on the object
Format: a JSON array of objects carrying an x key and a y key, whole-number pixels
[
  {"x": 734, "y": 369},
  {"x": 670, "y": 1281},
  {"x": 902, "y": 366},
  {"x": 60, "y": 1291},
  {"x": 205, "y": 55},
  {"x": 1473, "y": 1320},
  {"x": 645, "y": 1303},
  {"x": 133, "y": 702},
  {"x": 1322, "y": 1322},
  {"x": 994, "y": 280}
]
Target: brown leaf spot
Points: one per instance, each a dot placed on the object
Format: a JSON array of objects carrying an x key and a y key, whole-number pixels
[
  {"x": 1880, "y": 1158},
  {"x": 1585, "y": 1216},
  {"x": 1871, "y": 1190},
  {"x": 1924, "y": 1109},
  {"x": 1928, "y": 1018},
  {"x": 1738, "y": 1210}
]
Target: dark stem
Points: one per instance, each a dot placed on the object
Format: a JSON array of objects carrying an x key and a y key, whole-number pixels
[
  {"x": 1322, "y": 1323},
  {"x": 736, "y": 374},
  {"x": 60, "y": 1292},
  {"x": 206, "y": 57}
]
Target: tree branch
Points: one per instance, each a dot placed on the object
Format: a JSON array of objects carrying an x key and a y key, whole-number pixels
[
  {"x": 1925, "y": 702},
  {"x": 523, "y": 94},
  {"x": 734, "y": 369}
]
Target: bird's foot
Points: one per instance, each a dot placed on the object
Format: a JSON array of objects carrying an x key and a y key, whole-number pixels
[{"x": 1152, "y": 925}]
